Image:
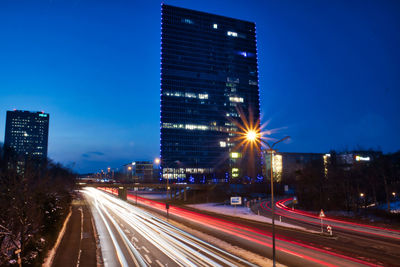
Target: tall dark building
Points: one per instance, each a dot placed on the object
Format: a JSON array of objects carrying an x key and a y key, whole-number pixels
[
  {"x": 209, "y": 72},
  {"x": 27, "y": 133}
]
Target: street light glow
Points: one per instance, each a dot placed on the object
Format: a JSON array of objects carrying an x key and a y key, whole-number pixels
[{"x": 251, "y": 135}]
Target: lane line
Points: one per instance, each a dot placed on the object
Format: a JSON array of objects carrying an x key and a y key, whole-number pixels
[{"x": 148, "y": 259}]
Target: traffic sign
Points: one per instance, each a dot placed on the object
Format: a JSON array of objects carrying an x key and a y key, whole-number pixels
[
  {"x": 321, "y": 214},
  {"x": 329, "y": 229},
  {"x": 236, "y": 200}
]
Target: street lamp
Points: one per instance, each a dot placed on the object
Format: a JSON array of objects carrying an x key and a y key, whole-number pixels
[
  {"x": 271, "y": 151},
  {"x": 251, "y": 135},
  {"x": 254, "y": 136},
  {"x": 158, "y": 161},
  {"x": 362, "y": 196}
]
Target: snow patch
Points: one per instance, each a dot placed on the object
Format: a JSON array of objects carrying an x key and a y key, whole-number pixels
[{"x": 241, "y": 212}]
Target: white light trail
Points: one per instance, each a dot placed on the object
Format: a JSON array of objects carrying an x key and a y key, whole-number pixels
[{"x": 181, "y": 247}]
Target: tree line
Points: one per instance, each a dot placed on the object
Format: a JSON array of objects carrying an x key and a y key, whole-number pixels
[
  {"x": 35, "y": 197},
  {"x": 338, "y": 185}
]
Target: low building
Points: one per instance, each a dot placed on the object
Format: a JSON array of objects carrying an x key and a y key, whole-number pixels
[
  {"x": 286, "y": 164},
  {"x": 139, "y": 171}
]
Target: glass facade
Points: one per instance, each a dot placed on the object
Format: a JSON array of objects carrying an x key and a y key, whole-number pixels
[
  {"x": 27, "y": 133},
  {"x": 208, "y": 70}
]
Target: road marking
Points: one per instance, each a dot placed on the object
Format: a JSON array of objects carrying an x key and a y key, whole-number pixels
[
  {"x": 127, "y": 231},
  {"x": 147, "y": 251},
  {"x": 148, "y": 259},
  {"x": 159, "y": 263}
]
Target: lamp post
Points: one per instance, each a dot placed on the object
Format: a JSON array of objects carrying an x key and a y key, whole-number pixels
[
  {"x": 130, "y": 172},
  {"x": 158, "y": 161},
  {"x": 271, "y": 151},
  {"x": 254, "y": 136}
]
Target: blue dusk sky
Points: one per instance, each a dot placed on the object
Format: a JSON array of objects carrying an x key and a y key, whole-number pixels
[{"x": 329, "y": 73}]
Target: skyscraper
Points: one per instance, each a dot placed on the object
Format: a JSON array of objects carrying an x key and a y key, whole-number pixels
[
  {"x": 209, "y": 73},
  {"x": 27, "y": 133}
]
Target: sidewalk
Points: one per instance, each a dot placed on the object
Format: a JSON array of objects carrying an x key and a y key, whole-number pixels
[{"x": 78, "y": 245}]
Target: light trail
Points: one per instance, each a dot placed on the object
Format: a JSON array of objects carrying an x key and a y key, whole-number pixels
[
  {"x": 299, "y": 215},
  {"x": 180, "y": 247},
  {"x": 285, "y": 246}
]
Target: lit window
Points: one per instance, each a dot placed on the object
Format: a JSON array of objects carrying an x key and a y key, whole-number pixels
[
  {"x": 235, "y": 155},
  {"x": 233, "y": 34},
  {"x": 203, "y": 96},
  {"x": 252, "y": 82},
  {"x": 222, "y": 144},
  {"x": 190, "y": 95},
  {"x": 235, "y": 172},
  {"x": 187, "y": 21},
  {"x": 236, "y": 99},
  {"x": 196, "y": 127},
  {"x": 215, "y": 26}
]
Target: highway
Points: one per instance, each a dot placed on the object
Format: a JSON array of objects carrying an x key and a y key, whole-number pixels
[
  {"x": 289, "y": 251},
  {"x": 130, "y": 236},
  {"x": 365, "y": 241},
  {"x": 311, "y": 219}
]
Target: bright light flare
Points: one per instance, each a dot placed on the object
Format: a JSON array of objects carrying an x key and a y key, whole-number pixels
[{"x": 251, "y": 135}]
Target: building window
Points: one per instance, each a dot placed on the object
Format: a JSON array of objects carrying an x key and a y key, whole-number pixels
[
  {"x": 233, "y": 34},
  {"x": 215, "y": 26},
  {"x": 187, "y": 21},
  {"x": 236, "y": 99},
  {"x": 203, "y": 96}
]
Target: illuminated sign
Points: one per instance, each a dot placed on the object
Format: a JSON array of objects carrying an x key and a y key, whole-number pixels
[
  {"x": 360, "y": 158},
  {"x": 42, "y": 115},
  {"x": 236, "y": 200}
]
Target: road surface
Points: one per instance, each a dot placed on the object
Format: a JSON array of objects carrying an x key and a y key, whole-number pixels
[
  {"x": 289, "y": 251},
  {"x": 366, "y": 241},
  {"x": 130, "y": 236}
]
